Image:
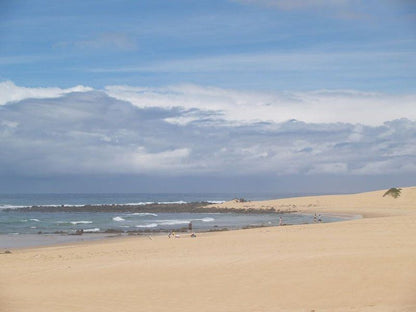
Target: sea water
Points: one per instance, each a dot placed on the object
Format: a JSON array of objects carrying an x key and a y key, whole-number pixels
[
  {"x": 70, "y": 199},
  {"x": 16, "y": 221},
  {"x": 38, "y": 222}
]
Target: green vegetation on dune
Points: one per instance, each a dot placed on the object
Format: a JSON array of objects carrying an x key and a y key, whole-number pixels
[{"x": 393, "y": 192}]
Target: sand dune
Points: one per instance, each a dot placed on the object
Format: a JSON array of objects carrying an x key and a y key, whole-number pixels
[
  {"x": 360, "y": 265},
  {"x": 367, "y": 204}
]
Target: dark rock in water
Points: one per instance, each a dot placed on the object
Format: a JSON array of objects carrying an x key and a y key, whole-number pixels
[
  {"x": 113, "y": 231},
  {"x": 77, "y": 232},
  {"x": 253, "y": 226},
  {"x": 218, "y": 229}
]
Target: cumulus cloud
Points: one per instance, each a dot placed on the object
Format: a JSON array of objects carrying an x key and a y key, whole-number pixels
[
  {"x": 189, "y": 130},
  {"x": 9, "y": 92}
]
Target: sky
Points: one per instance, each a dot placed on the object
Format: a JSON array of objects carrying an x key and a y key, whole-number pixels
[{"x": 160, "y": 96}]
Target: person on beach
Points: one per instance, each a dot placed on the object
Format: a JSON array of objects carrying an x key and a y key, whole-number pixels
[
  {"x": 280, "y": 221},
  {"x": 190, "y": 226},
  {"x": 314, "y": 218},
  {"x": 319, "y": 219}
]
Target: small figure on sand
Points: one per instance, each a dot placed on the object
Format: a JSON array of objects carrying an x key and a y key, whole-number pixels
[
  {"x": 280, "y": 221},
  {"x": 193, "y": 235},
  {"x": 190, "y": 226},
  {"x": 314, "y": 218},
  {"x": 170, "y": 234},
  {"x": 319, "y": 219}
]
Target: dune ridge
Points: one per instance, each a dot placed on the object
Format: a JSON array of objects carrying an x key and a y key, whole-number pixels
[{"x": 367, "y": 204}]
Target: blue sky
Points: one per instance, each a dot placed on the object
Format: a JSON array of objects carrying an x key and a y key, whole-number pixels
[
  {"x": 234, "y": 95},
  {"x": 264, "y": 44}
]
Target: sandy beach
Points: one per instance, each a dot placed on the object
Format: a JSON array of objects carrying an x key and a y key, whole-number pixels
[{"x": 365, "y": 264}]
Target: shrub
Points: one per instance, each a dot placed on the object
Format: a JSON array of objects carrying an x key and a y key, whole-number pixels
[{"x": 393, "y": 192}]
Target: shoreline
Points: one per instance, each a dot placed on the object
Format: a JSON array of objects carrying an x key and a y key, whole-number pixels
[
  {"x": 18, "y": 241},
  {"x": 305, "y": 205},
  {"x": 366, "y": 264}
]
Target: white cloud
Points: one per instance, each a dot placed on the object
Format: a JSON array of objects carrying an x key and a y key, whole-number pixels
[
  {"x": 214, "y": 132},
  {"x": 113, "y": 159},
  {"x": 331, "y": 168},
  {"x": 322, "y": 106},
  {"x": 384, "y": 166},
  {"x": 169, "y": 161},
  {"x": 9, "y": 92}
]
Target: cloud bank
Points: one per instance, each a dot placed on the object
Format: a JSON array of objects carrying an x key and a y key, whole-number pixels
[
  {"x": 201, "y": 131},
  {"x": 321, "y": 106}
]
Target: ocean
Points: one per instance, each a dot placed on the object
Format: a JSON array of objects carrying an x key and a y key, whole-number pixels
[
  {"x": 24, "y": 200},
  {"x": 15, "y": 220}
]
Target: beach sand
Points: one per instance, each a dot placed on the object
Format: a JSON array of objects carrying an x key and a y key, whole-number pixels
[{"x": 366, "y": 264}]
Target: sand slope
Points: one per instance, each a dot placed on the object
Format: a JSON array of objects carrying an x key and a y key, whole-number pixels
[
  {"x": 367, "y": 204},
  {"x": 361, "y": 265}
]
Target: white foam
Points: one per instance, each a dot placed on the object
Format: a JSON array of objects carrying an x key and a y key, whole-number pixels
[
  {"x": 150, "y": 225},
  {"x": 174, "y": 222},
  {"x": 207, "y": 219},
  {"x": 7, "y": 206},
  {"x": 173, "y": 202},
  {"x": 11, "y": 207},
  {"x": 36, "y": 220},
  {"x": 215, "y": 201},
  {"x": 152, "y": 202},
  {"x": 142, "y": 214},
  {"x": 138, "y": 204},
  {"x": 94, "y": 230},
  {"x": 118, "y": 219},
  {"x": 80, "y": 222}
]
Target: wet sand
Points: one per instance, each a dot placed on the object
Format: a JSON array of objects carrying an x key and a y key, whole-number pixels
[
  {"x": 358, "y": 265},
  {"x": 13, "y": 241}
]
